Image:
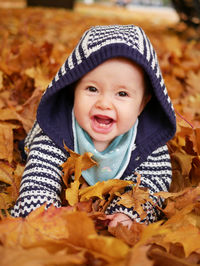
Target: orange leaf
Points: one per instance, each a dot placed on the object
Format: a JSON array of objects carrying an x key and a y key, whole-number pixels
[
  {"x": 71, "y": 194},
  {"x": 6, "y": 140},
  {"x": 56, "y": 228},
  {"x": 39, "y": 256},
  {"x": 102, "y": 188},
  {"x": 76, "y": 163}
]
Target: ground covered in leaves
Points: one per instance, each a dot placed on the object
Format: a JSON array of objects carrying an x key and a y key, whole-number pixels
[{"x": 33, "y": 45}]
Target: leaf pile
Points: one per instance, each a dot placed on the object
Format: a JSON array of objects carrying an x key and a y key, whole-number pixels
[{"x": 34, "y": 42}]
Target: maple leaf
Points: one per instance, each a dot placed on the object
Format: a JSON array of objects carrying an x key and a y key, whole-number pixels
[
  {"x": 193, "y": 79},
  {"x": 75, "y": 164},
  {"x": 58, "y": 227},
  {"x": 102, "y": 188},
  {"x": 139, "y": 255},
  {"x": 161, "y": 257},
  {"x": 135, "y": 198},
  {"x": 194, "y": 174},
  {"x": 39, "y": 256},
  {"x": 6, "y": 140},
  {"x": 12, "y": 178},
  {"x": 27, "y": 113},
  {"x": 173, "y": 231},
  {"x": 177, "y": 201}
]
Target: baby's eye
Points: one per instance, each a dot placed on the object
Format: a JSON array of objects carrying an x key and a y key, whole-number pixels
[
  {"x": 92, "y": 89},
  {"x": 122, "y": 93}
]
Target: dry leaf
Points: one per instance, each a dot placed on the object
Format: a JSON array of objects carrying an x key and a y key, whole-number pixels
[
  {"x": 102, "y": 188},
  {"x": 6, "y": 140},
  {"x": 75, "y": 164}
]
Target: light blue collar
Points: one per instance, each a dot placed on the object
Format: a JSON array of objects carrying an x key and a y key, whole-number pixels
[{"x": 113, "y": 161}]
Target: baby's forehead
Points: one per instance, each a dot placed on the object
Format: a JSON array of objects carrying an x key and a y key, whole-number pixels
[{"x": 119, "y": 65}]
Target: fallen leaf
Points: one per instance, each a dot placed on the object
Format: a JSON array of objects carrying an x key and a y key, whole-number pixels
[
  {"x": 75, "y": 164},
  {"x": 102, "y": 188},
  {"x": 6, "y": 140}
]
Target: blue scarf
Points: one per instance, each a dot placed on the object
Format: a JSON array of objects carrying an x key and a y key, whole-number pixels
[{"x": 113, "y": 161}]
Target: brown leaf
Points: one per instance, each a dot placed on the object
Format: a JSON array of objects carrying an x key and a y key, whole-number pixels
[
  {"x": 6, "y": 140},
  {"x": 27, "y": 114},
  {"x": 12, "y": 177},
  {"x": 102, "y": 188},
  {"x": 163, "y": 258},
  {"x": 136, "y": 198},
  {"x": 179, "y": 200},
  {"x": 76, "y": 163}
]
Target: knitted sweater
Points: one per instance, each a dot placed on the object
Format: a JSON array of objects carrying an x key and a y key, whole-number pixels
[{"x": 41, "y": 181}]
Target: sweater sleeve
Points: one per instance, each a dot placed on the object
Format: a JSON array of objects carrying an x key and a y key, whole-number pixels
[
  {"x": 156, "y": 175},
  {"x": 41, "y": 181}
]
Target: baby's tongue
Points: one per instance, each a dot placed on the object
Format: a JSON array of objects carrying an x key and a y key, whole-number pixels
[{"x": 103, "y": 120}]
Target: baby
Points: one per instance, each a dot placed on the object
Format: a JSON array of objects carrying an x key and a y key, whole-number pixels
[{"x": 108, "y": 98}]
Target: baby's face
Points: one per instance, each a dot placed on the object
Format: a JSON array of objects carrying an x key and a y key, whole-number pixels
[{"x": 109, "y": 99}]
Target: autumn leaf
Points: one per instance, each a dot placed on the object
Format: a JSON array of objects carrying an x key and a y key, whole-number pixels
[
  {"x": 39, "y": 256},
  {"x": 194, "y": 174},
  {"x": 161, "y": 257},
  {"x": 193, "y": 79},
  {"x": 173, "y": 231},
  {"x": 27, "y": 114},
  {"x": 139, "y": 255},
  {"x": 6, "y": 140},
  {"x": 75, "y": 164},
  {"x": 102, "y": 188},
  {"x": 72, "y": 193},
  {"x": 177, "y": 201},
  {"x": 12, "y": 178},
  {"x": 57, "y": 228}
]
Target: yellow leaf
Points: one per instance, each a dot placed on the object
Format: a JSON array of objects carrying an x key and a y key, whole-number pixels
[
  {"x": 190, "y": 243},
  {"x": 6, "y": 201},
  {"x": 153, "y": 233},
  {"x": 104, "y": 187},
  {"x": 71, "y": 194},
  {"x": 76, "y": 163}
]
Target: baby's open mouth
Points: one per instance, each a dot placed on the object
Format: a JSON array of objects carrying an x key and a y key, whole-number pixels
[{"x": 102, "y": 123}]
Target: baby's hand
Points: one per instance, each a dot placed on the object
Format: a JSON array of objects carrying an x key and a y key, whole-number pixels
[{"x": 119, "y": 218}]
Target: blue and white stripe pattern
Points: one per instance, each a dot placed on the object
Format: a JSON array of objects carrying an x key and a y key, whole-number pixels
[{"x": 42, "y": 179}]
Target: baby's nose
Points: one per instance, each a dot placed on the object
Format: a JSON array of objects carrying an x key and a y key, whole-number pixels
[{"x": 104, "y": 102}]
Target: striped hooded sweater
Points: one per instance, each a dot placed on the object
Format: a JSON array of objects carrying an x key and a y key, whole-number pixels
[{"x": 42, "y": 179}]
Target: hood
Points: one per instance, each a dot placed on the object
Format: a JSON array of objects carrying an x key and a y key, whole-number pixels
[{"x": 157, "y": 123}]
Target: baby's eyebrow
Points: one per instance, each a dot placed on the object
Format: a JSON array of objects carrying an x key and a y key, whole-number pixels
[{"x": 128, "y": 88}]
